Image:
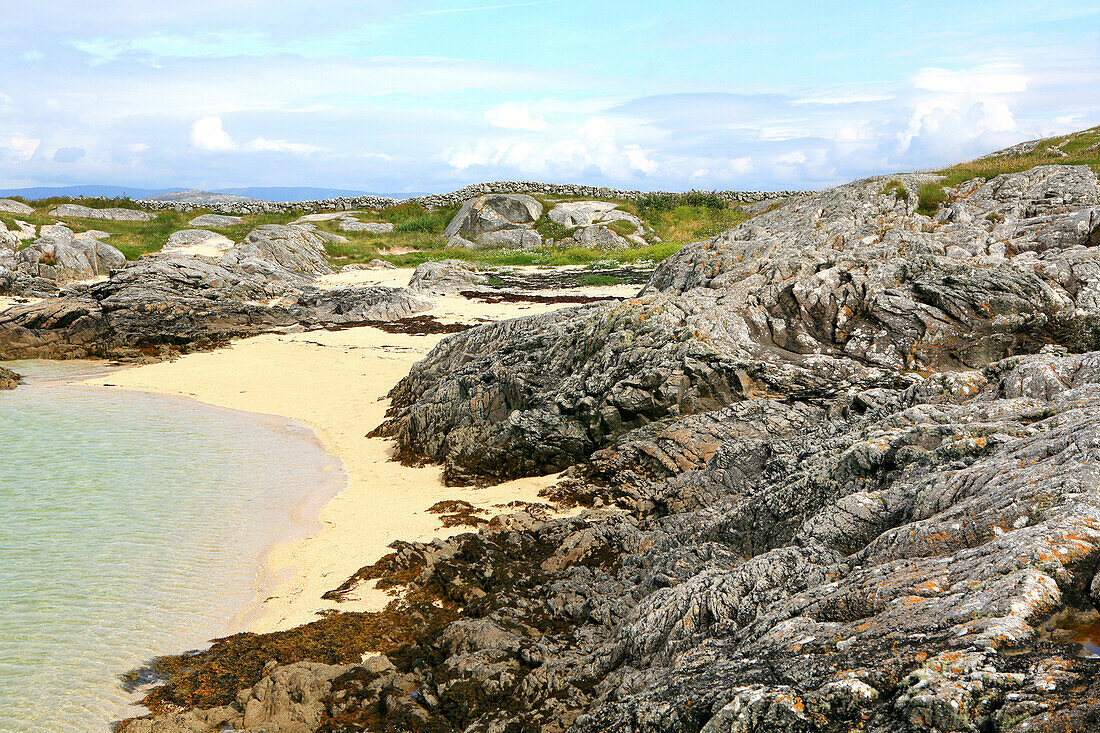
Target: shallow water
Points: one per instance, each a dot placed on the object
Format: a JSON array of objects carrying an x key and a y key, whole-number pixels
[{"x": 131, "y": 525}]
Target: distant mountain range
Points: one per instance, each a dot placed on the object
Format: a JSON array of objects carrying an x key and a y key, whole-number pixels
[{"x": 264, "y": 193}]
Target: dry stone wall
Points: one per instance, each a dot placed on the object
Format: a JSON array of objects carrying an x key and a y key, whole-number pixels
[{"x": 347, "y": 203}]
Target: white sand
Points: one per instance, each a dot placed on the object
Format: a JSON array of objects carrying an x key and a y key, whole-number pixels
[{"x": 336, "y": 382}]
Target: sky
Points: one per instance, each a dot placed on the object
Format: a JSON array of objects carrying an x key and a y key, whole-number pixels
[{"x": 430, "y": 95}]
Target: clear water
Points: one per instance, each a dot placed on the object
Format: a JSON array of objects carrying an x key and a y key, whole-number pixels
[{"x": 131, "y": 526}]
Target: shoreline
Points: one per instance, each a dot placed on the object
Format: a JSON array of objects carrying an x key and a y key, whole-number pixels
[{"x": 335, "y": 384}]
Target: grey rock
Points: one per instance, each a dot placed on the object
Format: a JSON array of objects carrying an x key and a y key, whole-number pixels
[
  {"x": 846, "y": 290},
  {"x": 198, "y": 241},
  {"x": 601, "y": 238},
  {"x": 494, "y": 213},
  {"x": 215, "y": 221},
  {"x": 446, "y": 276},
  {"x": 353, "y": 225},
  {"x": 509, "y": 239},
  {"x": 77, "y": 211},
  {"x": 62, "y": 257},
  {"x": 15, "y": 207},
  {"x": 280, "y": 252}
]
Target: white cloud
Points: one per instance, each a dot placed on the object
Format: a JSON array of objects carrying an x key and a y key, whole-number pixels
[
  {"x": 980, "y": 80},
  {"x": 208, "y": 134},
  {"x": 514, "y": 116},
  {"x": 591, "y": 146},
  {"x": 137, "y": 147},
  {"x": 22, "y": 147},
  {"x": 261, "y": 144}
]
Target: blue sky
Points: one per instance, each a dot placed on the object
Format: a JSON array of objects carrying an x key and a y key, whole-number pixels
[{"x": 433, "y": 94}]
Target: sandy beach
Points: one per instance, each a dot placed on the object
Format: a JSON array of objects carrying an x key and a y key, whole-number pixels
[{"x": 336, "y": 383}]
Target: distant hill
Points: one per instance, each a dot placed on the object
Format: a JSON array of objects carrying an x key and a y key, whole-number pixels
[
  {"x": 199, "y": 198},
  {"x": 269, "y": 193},
  {"x": 92, "y": 191}
]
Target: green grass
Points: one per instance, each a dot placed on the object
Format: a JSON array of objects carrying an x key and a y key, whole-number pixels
[
  {"x": 930, "y": 198},
  {"x": 897, "y": 188},
  {"x": 1080, "y": 148},
  {"x": 550, "y": 229},
  {"x": 594, "y": 280},
  {"x": 622, "y": 227}
]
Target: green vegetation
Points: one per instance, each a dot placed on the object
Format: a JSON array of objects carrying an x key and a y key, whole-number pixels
[
  {"x": 594, "y": 280},
  {"x": 622, "y": 227},
  {"x": 897, "y": 188},
  {"x": 930, "y": 197},
  {"x": 1079, "y": 148},
  {"x": 550, "y": 229}
]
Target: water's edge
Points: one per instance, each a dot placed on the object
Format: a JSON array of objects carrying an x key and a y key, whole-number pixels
[{"x": 297, "y": 519}]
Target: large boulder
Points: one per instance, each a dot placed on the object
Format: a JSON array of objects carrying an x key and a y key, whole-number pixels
[
  {"x": 215, "y": 221},
  {"x": 493, "y": 213},
  {"x": 600, "y": 238},
  {"x": 848, "y": 289},
  {"x": 277, "y": 251},
  {"x": 61, "y": 256},
  {"x": 446, "y": 276},
  {"x": 15, "y": 207},
  {"x": 509, "y": 239},
  {"x": 77, "y": 211}
]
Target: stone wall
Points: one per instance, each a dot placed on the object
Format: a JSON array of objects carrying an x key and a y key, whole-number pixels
[{"x": 346, "y": 203}]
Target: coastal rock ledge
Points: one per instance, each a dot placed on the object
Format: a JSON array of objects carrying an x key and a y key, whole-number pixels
[{"x": 838, "y": 469}]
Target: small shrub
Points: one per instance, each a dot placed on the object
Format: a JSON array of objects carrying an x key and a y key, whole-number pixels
[
  {"x": 930, "y": 198},
  {"x": 425, "y": 223},
  {"x": 897, "y": 188},
  {"x": 655, "y": 203}
]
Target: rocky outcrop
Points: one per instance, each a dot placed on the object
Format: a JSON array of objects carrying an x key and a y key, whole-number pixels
[
  {"x": 63, "y": 257},
  {"x": 835, "y": 475},
  {"x": 15, "y": 207},
  {"x": 919, "y": 558},
  {"x": 215, "y": 221},
  {"x": 592, "y": 220},
  {"x": 493, "y": 214},
  {"x": 288, "y": 700},
  {"x": 197, "y": 242},
  {"x": 280, "y": 252},
  {"x": 446, "y": 276},
  {"x": 849, "y": 289},
  {"x": 182, "y": 299},
  {"x": 77, "y": 211},
  {"x": 8, "y": 379}
]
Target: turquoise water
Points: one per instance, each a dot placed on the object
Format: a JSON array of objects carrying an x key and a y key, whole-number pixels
[{"x": 131, "y": 525}]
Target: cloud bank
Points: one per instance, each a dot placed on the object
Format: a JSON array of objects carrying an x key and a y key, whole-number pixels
[{"x": 432, "y": 95}]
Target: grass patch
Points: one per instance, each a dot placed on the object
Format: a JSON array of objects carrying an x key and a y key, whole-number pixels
[
  {"x": 1079, "y": 148},
  {"x": 550, "y": 229},
  {"x": 930, "y": 198},
  {"x": 622, "y": 227},
  {"x": 897, "y": 188},
  {"x": 592, "y": 279}
]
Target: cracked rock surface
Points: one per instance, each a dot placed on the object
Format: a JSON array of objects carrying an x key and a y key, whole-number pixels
[{"x": 835, "y": 470}]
